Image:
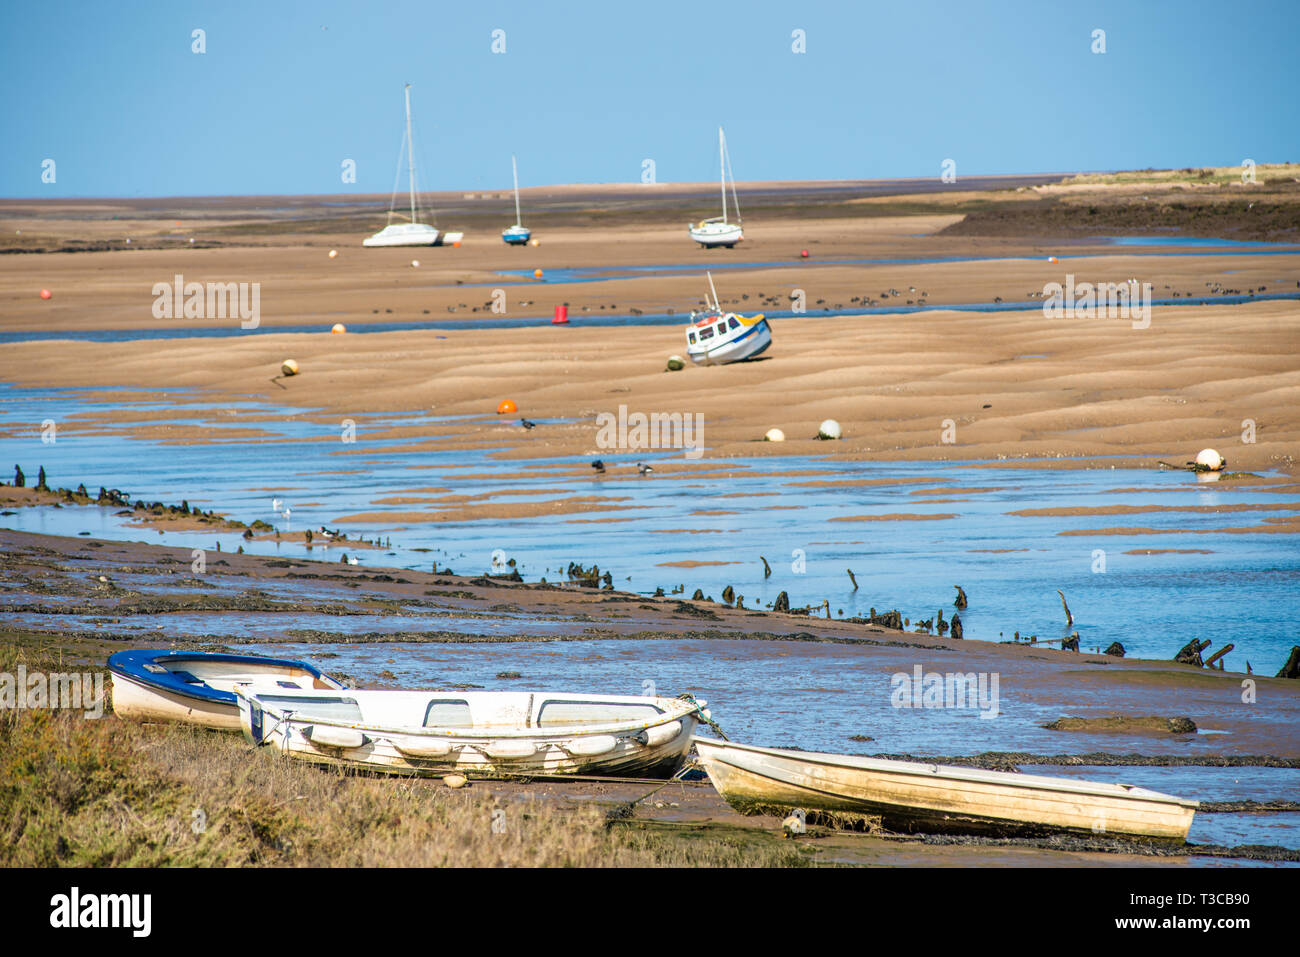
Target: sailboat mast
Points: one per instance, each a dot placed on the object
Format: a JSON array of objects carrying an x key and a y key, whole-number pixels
[
  {"x": 722, "y": 171},
  {"x": 514, "y": 168},
  {"x": 717, "y": 306},
  {"x": 410, "y": 150}
]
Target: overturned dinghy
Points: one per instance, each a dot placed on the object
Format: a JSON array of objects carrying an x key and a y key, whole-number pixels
[
  {"x": 931, "y": 798},
  {"x": 197, "y": 687},
  {"x": 483, "y": 733}
]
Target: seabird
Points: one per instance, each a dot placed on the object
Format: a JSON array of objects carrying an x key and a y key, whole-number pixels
[
  {"x": 527, "y": 424},
  {"x": 599, "y": 466},
  {"x": 643, "y": 468}
]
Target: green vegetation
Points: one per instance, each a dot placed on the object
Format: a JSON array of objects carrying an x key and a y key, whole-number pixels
[
  {"x": 1199, "y": 176},
  {"x": 78, "y": 792}
]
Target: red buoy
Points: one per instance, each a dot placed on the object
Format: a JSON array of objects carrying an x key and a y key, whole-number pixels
[
  {"x": 804, "y": 253},
  {"x": 45, "y": 294},
  {"x": 561, "y": 315}
]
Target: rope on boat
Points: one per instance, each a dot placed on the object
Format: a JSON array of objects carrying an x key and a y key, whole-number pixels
[
  {"x": 626, "y": 809},
  {"x": 704, "y": 716}
]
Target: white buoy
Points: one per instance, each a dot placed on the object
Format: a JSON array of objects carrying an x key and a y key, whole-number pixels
[
  {"x": 455, "y": 780},
  {"x": 676, "y": 363},
  {"x": 830, "y": 429},
  {"x": 333, "y": 253},
  {"x": 415, "y": 262},
  {"x": 774, "y": 435},
  {"x": 338, "y": 327},
  {"x": 289, "y": 367},
  {"x": 1210, "y": 459}
]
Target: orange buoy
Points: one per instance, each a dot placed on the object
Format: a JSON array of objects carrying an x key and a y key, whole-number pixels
[
  {"x": 537, "y": 274},
  {"x": 1051, "y": 259},
  {"x": 339, "y": 327},
  {"x": 506, "y": 406},
  {"x": 456, "y": 244},
  {"x": 45, "y": 294}
]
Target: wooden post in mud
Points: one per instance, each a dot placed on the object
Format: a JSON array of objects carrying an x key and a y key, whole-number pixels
[
  {"x": 852, "y": 579},
  {"x": 1209, "y": 662},
  {"x": 1069, "y": 619}
]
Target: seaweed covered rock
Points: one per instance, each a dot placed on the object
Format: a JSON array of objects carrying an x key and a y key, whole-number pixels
[
  {"x": 1292, "y": 667},
  {"x": 1191, "y": 653}
]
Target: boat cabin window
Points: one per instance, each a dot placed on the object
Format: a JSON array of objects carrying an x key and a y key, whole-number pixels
[
  {"x": 732, "y": 323},
  {"x": 326, "y": 709},
  {"x": 690, "y": 337},
  {"x": 594, "y": 712},
  {"x": 448, "y": 713},
  {"x": 706, "y": 333},
  {"x": 721, "y": 327}
]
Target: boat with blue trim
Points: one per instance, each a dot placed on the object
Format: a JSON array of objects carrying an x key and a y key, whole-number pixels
[
  {"x": 198, "y": 687},
  {"x": 716, "y": 337},
  {"x": 518, "y": 234}
]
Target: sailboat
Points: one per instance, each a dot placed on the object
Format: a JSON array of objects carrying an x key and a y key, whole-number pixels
[
  {"x": 414, "y": 233},
  {"x": 715, "y": 337},
  {"x": 717, "y": 231},
  {"x": 516, "y": 235}
]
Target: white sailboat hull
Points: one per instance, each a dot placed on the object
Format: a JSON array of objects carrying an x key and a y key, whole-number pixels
[
  {"x": 931, "y": 798},
  {"x": 710, "y": 234},
  {"x": 404, "y": 234},
  {"x": 508, "y": 732}
]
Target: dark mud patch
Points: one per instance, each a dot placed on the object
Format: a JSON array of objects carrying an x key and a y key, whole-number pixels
[{"x": 1124, "y": 724}]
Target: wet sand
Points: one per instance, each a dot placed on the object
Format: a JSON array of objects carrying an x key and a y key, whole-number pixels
[{"x": 943, "y": 385}]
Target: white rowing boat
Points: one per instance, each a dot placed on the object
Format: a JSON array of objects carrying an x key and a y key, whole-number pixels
[
  {"x": 197, "y": 687},
  {"x": 485, "y": 733},
  {"x": 914, "y": 797}
]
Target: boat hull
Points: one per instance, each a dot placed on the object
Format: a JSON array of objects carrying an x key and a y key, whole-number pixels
[
  {"x": 754, "y": 341},
  {"x": 403, "y": 234},
  {"x": 655, "y": 748},
  {"x": 516, "y": 235},
  {"x": 145, "y": 686},
  {"x": 136, "y": 701},
  {"x": 911, "y": 797},
  {"x": 717, "y": 234}
]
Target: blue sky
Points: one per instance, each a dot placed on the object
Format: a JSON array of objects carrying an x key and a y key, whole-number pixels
[{"x": 586, "y": 91}]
